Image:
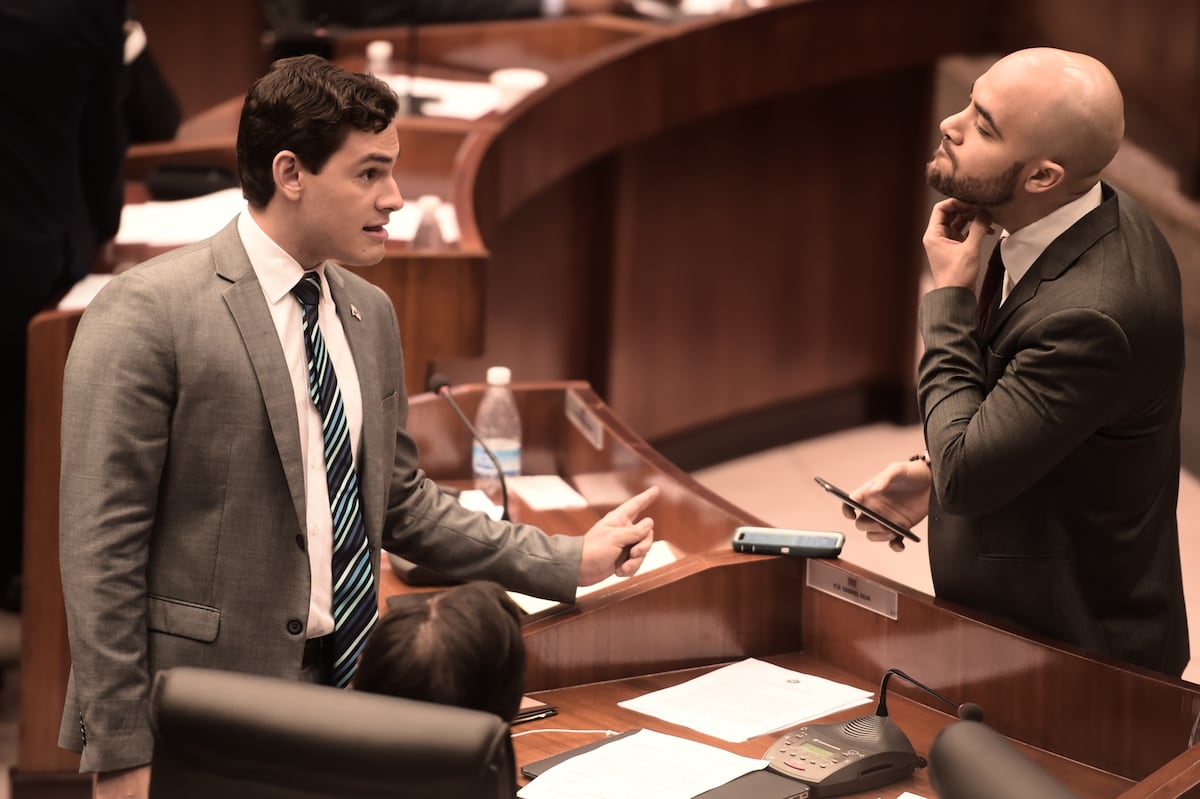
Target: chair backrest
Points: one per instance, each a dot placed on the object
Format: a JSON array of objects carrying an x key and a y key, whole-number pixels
[
  {"x": 233, "y": 735},
  {"x": 969, "y": 760}
]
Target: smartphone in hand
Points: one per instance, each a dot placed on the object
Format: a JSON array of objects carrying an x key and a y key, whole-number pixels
[{"x": 888, "y": 524}]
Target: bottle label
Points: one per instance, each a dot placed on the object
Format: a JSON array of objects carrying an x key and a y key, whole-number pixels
[{"x": 508, "y": 452}]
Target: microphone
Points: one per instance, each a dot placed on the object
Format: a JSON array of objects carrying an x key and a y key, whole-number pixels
[
  {"x": 440, "y": 384},
  {"x": 856, "y": 755},
  {"x": 967, "y": 711}
]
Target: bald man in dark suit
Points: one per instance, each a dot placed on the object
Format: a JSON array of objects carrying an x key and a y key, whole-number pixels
[{"x": 1052, "y": 409}]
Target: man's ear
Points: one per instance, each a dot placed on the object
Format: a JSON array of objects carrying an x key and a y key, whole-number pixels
[
  {"x": 1048, "y": 175},
  {"x": 285, "y": 169}
]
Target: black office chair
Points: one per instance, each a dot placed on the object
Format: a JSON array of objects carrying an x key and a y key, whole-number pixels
[
  {"x": 969, "y": 760},
  {"x": 241, "y": 736}
]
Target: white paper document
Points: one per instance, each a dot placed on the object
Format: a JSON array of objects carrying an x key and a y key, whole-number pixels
[
  {"x": 459, "y": 99},
  {"x": 176, "y": 222},
  {"x": 168, "y": 223},
  {"x": 645, "y": 765},
  {"x": 749, "y": 698},
  {"x": 79, "y": 295}
]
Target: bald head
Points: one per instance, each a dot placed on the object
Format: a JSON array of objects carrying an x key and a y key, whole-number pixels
[{"x": 1064, "y": 106}]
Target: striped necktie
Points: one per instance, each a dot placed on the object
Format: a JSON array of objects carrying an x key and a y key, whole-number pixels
[{"x": 355, "y": 603}]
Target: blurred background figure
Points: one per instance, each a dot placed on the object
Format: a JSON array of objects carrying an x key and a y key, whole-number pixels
[
  {"x": 62, "y": 145},
  {"x": 150, "y": 107}
]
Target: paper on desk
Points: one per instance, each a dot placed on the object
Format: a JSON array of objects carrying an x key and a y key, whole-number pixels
[
  {"x": 660, "y": 555},
  {"x": 167, "y": 223},
  {"x": 79, "y": 295},
  {"x": 402, "y": 226},
  {"x": 459, "y": 99},
  {"x": 546, "y": 492},
  {"x": 175, "y": 222},
  {"x": 749, "y": 698},
  {"x": 645, "y": 765},
  {"x": 474, "y": 499}
]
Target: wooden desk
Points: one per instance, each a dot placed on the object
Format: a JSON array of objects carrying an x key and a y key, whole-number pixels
[
  {"x": 1103, "y": 728},
  {"x": 711, "y": 606},
  {"x": 595, "y": 707}
]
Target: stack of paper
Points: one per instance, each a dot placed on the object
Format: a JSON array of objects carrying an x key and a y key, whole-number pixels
[
  {"x": 746, "y": 699},
  {"x": 645, "y": 765}
]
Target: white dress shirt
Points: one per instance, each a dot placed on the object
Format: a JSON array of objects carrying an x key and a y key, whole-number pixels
[
  {"x": 1019, "y": 250},
  {"x": 278, "y": 273}
]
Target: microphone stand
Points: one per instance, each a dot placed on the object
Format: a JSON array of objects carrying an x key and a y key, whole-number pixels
[{"x": 441, "y": 387}]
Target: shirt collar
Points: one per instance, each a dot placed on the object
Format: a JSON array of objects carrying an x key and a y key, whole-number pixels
[
  {"x": 1019, "y": 250},
  {"x": 277, "y": 271}
]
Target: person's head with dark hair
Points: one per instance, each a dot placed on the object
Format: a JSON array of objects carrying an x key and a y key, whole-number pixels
[
  {"x": 461, "y": 646},
  {"x": 305, "y": 105}
]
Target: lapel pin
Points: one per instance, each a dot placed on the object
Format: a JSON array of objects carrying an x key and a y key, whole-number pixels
[{"x": 354, "y": 312}]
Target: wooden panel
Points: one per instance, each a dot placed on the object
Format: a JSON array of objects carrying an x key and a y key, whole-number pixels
[
  {"x": 208, "y": 50},
  {"x": 762, "y": 257},
  {"x": 1153, "y": 49},
  {"x": 595, "y": 707},
  {"x": 45, "y": 655}
]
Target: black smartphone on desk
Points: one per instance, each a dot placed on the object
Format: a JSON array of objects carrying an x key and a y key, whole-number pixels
[
  {"x": 890, "y": 525},
  {"x": 532, "y": 709}
]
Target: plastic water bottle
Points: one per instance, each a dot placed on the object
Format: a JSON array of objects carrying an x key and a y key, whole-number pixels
[
  {"x": 379, "y": 58},
  {"x": 429, "y": 230},
  {"x": 499, "y": 424}
]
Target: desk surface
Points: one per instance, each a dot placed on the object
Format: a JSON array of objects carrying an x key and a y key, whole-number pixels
[{"x": 594, "y": 707}]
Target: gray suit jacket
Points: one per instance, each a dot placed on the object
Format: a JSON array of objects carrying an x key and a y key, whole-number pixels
[
  {"x": 1055, "y": 449},
  {"x": 182, "y": 496}
]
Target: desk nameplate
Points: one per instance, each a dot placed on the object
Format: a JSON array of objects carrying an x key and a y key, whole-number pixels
[{"x": 830, "y": 579}]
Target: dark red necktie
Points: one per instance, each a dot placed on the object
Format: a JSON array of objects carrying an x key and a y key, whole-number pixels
[{"x": 992, "y": 280}]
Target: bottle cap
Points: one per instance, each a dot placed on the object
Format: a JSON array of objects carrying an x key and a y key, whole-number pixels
[{"x": 499, "y": 375}]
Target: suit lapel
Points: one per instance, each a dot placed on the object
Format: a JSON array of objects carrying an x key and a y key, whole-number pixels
[
  {"x": 362, "y": 348},
  {"x": 244, "y": 298},
  {"x": 1060, "y": 256}
]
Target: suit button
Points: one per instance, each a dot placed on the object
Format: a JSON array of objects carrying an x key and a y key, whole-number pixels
[
  {"x": 295, "y": 626},
  {"x": 300, "y": 541}
]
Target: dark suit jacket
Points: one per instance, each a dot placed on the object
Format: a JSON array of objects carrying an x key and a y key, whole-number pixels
[
  {"x": 61, "y": 144},
  {"x": 1055, "y": 451},
  {"x": 182, "y": 514}
]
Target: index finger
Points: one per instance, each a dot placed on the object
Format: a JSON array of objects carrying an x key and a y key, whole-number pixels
[{"x": 633, "y": 507}]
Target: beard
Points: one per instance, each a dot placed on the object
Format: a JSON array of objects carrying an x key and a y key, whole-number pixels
[{"x": 984, "y": 192}]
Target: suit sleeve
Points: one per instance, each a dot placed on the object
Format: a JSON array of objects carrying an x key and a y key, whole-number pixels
[
  {"x": 117, "y": 400},
  {"x": 432, "y": 529},
  {"x": 987, "y": 447}
]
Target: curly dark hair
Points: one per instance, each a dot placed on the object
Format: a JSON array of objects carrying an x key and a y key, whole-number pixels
[{"x": 307, "y": 105}]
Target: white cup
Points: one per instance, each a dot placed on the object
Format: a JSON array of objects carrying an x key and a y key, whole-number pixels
[{"x": 514, "y": 83}]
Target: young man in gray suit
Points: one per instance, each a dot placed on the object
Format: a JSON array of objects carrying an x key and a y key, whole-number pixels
[
  {"x": 198, "y": 526},
  {"x": 1052, "y": 472}
]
